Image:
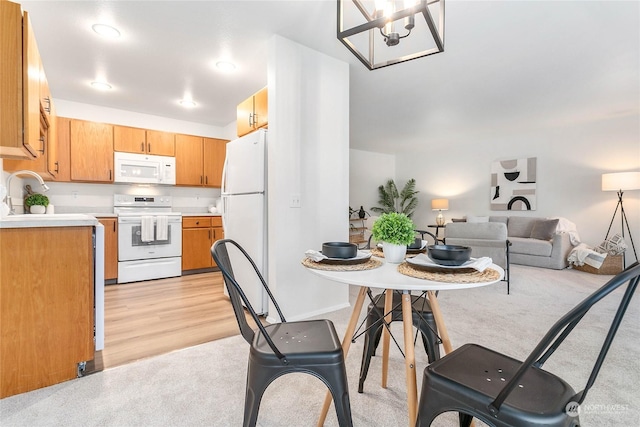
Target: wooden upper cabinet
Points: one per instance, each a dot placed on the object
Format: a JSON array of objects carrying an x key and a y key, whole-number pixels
[
  {"x": 260, "y": 108},
  {"x": 214, "y": 151},
  {"x": 11, "y": 142},
  {"x": 33, "y": 139},
  {"x": 91, "y": 148},
  {"x": 143, "y": 141},
  {"x": 189, "y": 160},
  {"x": 131, "y": 140},
  {"x": 161, "y": 143},
  {"x": 252, "y": 113}
]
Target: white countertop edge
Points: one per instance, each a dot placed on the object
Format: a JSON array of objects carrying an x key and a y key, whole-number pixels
[{"x": 41, "y": 221}]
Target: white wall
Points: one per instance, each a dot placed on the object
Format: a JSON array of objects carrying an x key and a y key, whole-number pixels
[
  {"x": 308, "y": 154},
  {"x": 572, "y": 156}
]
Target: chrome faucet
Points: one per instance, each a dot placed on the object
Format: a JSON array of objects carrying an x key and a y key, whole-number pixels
[{"x": 8, "y": 197}]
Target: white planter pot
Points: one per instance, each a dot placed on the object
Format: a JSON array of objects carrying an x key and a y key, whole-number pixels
[
  {"x": 394, "y": 253},
  {"x": 37, "y": 209}
]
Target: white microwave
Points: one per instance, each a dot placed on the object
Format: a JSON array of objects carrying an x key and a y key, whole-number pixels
[{"x": 144, "y": 169}]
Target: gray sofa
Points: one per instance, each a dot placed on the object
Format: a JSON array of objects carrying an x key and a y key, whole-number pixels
[{"x": 533, "y": 241}]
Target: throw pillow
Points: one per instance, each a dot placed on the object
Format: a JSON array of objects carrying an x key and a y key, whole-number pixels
[
  {"x": 458, "y": 220},
  {"x": 477, "y": 219},
  {"x": 544, "y": 229}
]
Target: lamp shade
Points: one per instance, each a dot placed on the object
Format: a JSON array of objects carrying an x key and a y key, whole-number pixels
[
  {"x": 439, "y": 204},
  {"x": 620, "y": 181}
]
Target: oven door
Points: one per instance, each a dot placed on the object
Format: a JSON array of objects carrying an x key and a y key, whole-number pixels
[{"x": 131, "y": 247}]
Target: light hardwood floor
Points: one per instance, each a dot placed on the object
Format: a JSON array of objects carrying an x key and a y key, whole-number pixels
[{"x": 149, "y": 318}]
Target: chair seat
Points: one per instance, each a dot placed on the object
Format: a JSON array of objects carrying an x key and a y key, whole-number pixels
[
  {"x": 469, "y": 379},
  {"x": 314, "y": 341}
]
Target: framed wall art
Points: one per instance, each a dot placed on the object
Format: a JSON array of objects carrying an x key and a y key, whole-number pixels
[{"x": 513, "y": 185}]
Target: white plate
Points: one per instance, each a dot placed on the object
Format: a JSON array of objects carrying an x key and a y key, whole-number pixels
[
  {"x": 423, "y": 260},
  {"x": 359, "y": 256}
]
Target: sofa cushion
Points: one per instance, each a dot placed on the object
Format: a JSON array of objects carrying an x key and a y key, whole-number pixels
[
  {"x": 526, "y": 245},
  {"x": 520, "y": 226},
  {"x": 544, "y": 229},
  {"x": 502, "y": 219}
]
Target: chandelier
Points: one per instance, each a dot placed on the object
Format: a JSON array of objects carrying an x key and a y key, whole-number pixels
[{"x": 386, "y": 32}]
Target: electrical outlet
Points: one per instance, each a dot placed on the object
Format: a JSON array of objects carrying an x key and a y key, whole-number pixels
[
  {"x": 295, "y": 201},
  {"x": 74, "y": 194}
]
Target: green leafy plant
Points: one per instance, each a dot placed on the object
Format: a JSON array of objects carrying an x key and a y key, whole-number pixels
[
  {"x": 36, "y": 199},
  {"x": 395, "y": 228},
  {"x": 391, "y": 200}
]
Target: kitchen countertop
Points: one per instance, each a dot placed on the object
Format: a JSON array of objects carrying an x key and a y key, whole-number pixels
[{"x": 44, "y": 220}]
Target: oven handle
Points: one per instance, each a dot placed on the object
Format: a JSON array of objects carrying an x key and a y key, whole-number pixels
[{"x": 137, "y": 221}]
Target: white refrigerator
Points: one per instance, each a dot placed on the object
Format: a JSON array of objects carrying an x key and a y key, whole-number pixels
[{"x": 244, "y": 210}]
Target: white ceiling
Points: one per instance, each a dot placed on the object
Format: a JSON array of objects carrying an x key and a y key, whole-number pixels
[{"x": 508, "y": 66}]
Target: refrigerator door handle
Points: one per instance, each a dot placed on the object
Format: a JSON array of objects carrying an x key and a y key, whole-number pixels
[{"x": 224, "y": 175}]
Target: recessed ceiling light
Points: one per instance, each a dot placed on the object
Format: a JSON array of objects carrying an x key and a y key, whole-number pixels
[
  {"x": 101, "y": 85},
  {"x": 106, "y": 30},
  {"x": 187, "y": 103},
  {"x": 225, "y": 66}
]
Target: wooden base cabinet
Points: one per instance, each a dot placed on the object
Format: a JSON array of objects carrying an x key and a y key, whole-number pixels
[
  {"x": 46, "y": 306},
  {"x": 198, "y": 235},
  {"x": 110, "y": 247}
]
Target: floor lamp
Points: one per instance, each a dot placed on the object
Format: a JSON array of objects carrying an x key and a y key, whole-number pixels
[{"x": 619, "y": 182}]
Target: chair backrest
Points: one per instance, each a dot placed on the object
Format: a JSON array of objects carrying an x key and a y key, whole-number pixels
[
  {"x": 563, "y": 327},
  {"x": 223, "y": 252}
]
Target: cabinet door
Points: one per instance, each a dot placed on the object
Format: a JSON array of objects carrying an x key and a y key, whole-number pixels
[
  {"x": 189, "y": 160},
  {"x": 130, "y": 140},
  {"x": 63, "y": 142},
  {"x": 214, "y": 153},
  {"x": 110, "y": 247},
  {"x": 31, "y": 89},
  {"x": 196, "y": 245},
  {"x": 91, "y": 151},
  {"x": 260, "y": 108},
  {"x": 11, "y": 141},
  {"x": 244, "y": 117},
  {"x": 161, "y": 143}
]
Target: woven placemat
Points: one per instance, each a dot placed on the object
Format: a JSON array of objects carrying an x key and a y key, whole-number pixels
[
  {"x": 380, "y": 254},
  {"x": 461, "y": 275},
  {"x": 369, "y": 265}
]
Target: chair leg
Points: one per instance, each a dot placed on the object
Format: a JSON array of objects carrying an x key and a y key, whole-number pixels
[
  {"x": 258, "y": 379},
  {"x": 368, "y": 351},
  {"x": 465, "y": 419},
  {"x": 337, "y": 383}
]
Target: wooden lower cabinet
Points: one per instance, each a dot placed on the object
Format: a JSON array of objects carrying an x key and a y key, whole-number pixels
[
  {"x": 110, "y": 247},
  {"x": 46, "y": 306},
  {"x": 198, "y": 235}
]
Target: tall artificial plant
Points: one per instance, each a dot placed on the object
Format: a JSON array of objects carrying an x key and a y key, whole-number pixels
[{"x": 391, "y": 200}]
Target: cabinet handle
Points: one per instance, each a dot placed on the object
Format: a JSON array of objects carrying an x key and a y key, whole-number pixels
[
  {"x": 197, "y": 222},
  {"x": 149, "y": 147},
  {"x": 48, "y": 107},
  {"x": 206, "y": 180},
  {"x": 57, "y": 169},
  {"x": 255, "y": 119},
  {"x": 250, "y": 120},
  {"x": 201, "y": 180},
  {"x": 142, "y": 147},
  {"x": 114, "y": 227},
  {"x": 41, "y": 139},
  {"x": 110, "y": 175}
]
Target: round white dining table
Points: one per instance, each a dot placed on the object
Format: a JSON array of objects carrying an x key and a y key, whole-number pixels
[{"x": 388, "y": 278}]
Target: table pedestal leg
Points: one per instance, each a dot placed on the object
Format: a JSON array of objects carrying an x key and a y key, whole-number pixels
[
  {"x": 386, "y": 337},
  {"x": 409, "y": 358},
  {"x": 346, "y": 343}
]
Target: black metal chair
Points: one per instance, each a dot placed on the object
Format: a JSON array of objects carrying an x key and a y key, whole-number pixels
[
  {"x": 422, "y": 318},
  {"x": 501, "y": 391},
  {"x": 311, "y": 347}
]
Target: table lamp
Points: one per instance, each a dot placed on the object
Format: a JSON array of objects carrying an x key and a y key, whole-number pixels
[
  {"x": 620, "y": 181},
  {"x": 439, "y": 205}
]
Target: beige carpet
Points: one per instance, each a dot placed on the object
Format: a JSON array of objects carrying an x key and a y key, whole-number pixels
[{"x": 204, "y": 385}]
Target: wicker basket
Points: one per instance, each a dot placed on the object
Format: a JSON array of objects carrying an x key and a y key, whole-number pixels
[{"x": 612, "y": 265}]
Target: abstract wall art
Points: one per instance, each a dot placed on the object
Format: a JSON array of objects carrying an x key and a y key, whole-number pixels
[{"x": 513, "y": 185}]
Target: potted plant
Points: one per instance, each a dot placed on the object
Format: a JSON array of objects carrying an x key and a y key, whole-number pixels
[
  {"x": 392, "y": 200},
  {"x": 37, "y": 203},
  {"x": 395, "y": 231}
]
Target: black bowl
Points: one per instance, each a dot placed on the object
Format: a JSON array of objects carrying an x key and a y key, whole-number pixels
[
  {"x": 417, "y": 244},
  {"x": 339, "y": 249},
  {"x": 449, "y": 254}
]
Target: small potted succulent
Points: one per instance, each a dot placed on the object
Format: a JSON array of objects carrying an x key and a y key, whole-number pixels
[
  {"x": 37, "y": 203},
  {"x": 395, "y": 231}
]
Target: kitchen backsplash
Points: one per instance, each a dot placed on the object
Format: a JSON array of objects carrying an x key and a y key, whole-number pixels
[{"x": 98, "y": 198}]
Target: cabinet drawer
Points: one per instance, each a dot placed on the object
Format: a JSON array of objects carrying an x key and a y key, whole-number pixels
[
  {"x": 196, "y": 222},
  {"x": 216, "y": 221}
]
